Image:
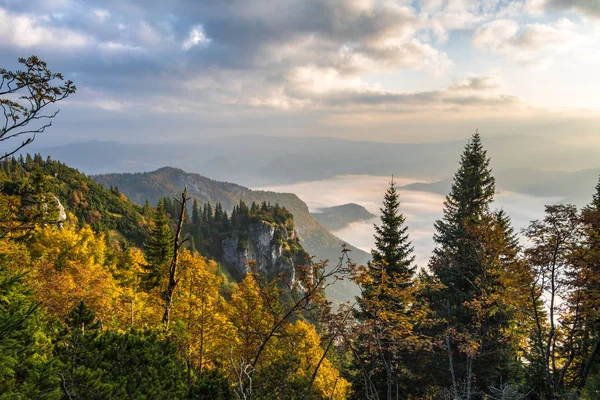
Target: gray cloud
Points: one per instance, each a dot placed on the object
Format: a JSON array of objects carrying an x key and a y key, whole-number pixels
[
  {"x": 237, "y": 64},
  {"x": 587, "y": 7}
]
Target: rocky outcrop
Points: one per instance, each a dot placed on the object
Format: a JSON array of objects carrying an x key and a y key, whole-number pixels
[
  {"x": 62, "y": 214},
  {"x": 269, "y": 245}
]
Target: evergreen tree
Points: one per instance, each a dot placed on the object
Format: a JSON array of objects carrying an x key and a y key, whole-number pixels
[
  {"x": 474, "y": 258},
  {"x": 470, "y": 197},
  {"x": 393, "y": 250},
  {"x": 79, "y": 379},
  {"x": 159, "y": 247},
  {"x": 386, "y": 312},
  {"x": 196, "y": 218},
  {"x": 468, "y": 202},
  {"x": 27, "y": 370}
]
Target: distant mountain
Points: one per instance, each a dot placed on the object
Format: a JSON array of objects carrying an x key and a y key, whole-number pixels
[
  {"x": 167, "y": 181},
  {"x": 574, "y": 187},
  {"x": 440, "y": 187},
  {"x": 338, "y": 217},
  {"x": 255, "y": 160}
]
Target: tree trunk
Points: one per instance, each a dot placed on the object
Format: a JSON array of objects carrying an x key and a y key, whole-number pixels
[
  {"x": 588, "y": 366},
  {"x": 173, "y": 267}
]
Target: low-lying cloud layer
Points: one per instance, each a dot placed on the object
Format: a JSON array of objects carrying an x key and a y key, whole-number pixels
[{"x": 421, "y": 209}]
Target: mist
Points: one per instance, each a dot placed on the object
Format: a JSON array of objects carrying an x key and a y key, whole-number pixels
[{"x": 420, "y": 208}]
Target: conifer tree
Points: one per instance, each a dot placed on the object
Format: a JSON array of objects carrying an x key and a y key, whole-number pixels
[
  {"x": 196, "y": 218},
  {"x": 393, "y": 250},
  {"x": 159, "y": 247},
  {"x": 196, "y": 236},
  {"x": 470, "y": 197},
  {"x": 385, "y": 305},
  {"x": 27, "y": 370},
  {"x": 474, "y": 258}
]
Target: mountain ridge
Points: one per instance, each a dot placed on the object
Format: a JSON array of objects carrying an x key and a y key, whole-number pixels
[
  {"x": 260, "y": 160},
  {"x": 169, "y": 181}
]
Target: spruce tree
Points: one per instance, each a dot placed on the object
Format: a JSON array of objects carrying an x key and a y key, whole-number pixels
[
  {"x": 470, "y": 197},
  {"x": 196, "y": 218},
  {"x": 475, "y": 256},
  {"x": 386, "y": 305},
  {"x": 454, "y": 259},
  {"x": 159, "y": 247},
  {"x": 393, "y": 250}
]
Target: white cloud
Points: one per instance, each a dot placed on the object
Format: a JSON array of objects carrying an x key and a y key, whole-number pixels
[
  {"x": 115, "y": 47},
  {"x": 145, "y": 33},
  {"x": 28, "y": 31},
  {"x": 533, "y": 44},
  {"x": 196, "y": 37},
  {"x": 101, "y": 14}
]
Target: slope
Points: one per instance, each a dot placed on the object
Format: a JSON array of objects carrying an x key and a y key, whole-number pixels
[{"x": 167, "y": 181}]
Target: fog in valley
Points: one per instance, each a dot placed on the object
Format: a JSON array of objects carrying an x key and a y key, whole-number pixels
[{"x": 420, "y": 208}]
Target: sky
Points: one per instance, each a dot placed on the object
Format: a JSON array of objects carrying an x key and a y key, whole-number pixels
[{"x": 383, "y": 70}]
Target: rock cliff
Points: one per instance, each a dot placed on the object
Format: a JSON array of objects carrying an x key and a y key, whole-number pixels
[{"x": 273, "y": 247}]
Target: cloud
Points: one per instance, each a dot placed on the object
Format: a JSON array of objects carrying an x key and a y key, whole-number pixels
[
  {"x": 319, "y": 59},
  {"x": 476, "y": 83},
  {"x": 532, "y": 44},
  {"x": 101, "y": 15},
  {"x": 27, "y": 31},
  {"x": 147, "y": 34},
  {"x": 586, "y": 7},
  {"x": 119, "y": 48},
  {"x": 195, "y": 38}
]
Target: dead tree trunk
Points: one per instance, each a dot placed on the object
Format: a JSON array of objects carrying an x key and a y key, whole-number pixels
[{"x": 173, "y": 279}]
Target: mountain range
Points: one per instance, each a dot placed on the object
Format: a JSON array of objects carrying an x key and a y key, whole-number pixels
[{"x": 255, "y": 160}]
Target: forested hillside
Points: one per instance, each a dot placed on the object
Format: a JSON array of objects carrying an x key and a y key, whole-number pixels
[
  {"x": 101, "y": 298},
  {"x": 338, "y": 217},
  {"x": 104, "y": 299},
  {"x": 168, "y": 182}
]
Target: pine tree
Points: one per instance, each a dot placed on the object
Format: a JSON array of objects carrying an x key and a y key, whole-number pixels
[
  {"x": 159, "y": 247},
  {"x": 472, "y": 192},
  {"x": 470, "y": 197},
  {"x": 27, "y": 368},
  {"x": 386, "y": 302},
  {"x": 196, "y": 218},
  {"x": 474, "y": 258},
  {"x": 393, "y": 250}
]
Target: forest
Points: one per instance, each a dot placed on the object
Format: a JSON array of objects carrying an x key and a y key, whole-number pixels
[{"x": 104, "y": 299}]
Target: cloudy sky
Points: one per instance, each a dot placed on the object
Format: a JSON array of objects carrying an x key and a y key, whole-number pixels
[{"x": 387, "y": 70}]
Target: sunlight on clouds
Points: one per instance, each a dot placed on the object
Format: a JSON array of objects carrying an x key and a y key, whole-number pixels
[
  {"x": 195, "y": 38},
  {"x": 101, "y": 15},
  {"x": 27, "y": 31},
  {"x": 330, "y": 63},
  {"x": 532, "y": 44},
  {"x": 114, "y": 47}
]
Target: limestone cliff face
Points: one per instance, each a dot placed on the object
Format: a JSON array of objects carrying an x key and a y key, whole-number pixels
[
  {"x": 269, "y": 245},
  {"x": 62, "y": 214}
]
